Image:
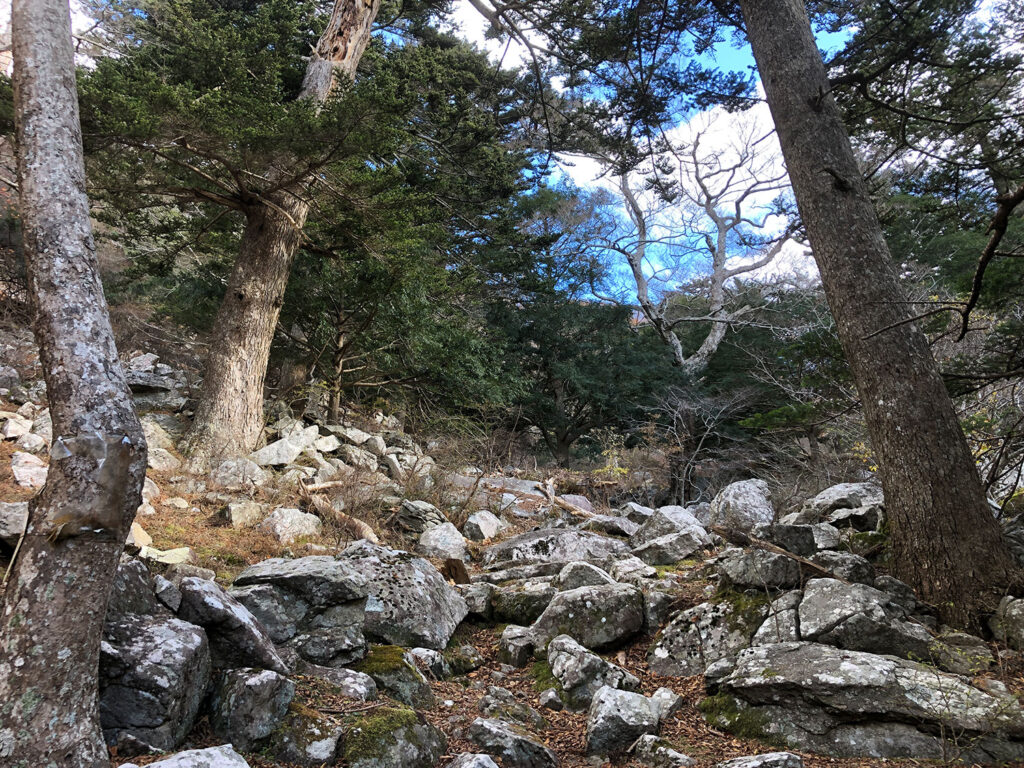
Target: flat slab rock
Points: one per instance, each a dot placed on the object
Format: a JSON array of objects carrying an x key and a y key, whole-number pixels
[
  {"x": 554, "y": 546},
  {"x": 856, "y": 704},
  {"x": 211, "y": 757}
]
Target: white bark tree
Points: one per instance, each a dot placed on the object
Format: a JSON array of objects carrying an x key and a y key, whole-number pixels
[
  {"x": 54, "y": 606},
  {"x": 703, "y": 209}
]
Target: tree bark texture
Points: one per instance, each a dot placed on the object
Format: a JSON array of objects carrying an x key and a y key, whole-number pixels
[
  {"x": 53, "y": 609},
  {"x": 229, "y": 416},
  {"x": 945, "y": 542}
]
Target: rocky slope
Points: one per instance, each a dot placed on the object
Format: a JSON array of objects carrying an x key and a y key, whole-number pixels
[{"x": 495, "y": 622}]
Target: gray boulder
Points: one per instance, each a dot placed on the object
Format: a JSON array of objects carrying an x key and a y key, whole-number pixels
[
  {"x": 767, "y": 760},
  {"x": 238, "y": 474},
  {"x": 742, "y": 505},
  {"x": 670, "y": 549},
  {"x": 236, "y": 638},
  {"x": 211, "y": 757},
  {"x": 522, "y": 603},
  {"x": 502, "y": 704},
  {"x": 668, "y": 520},
  {"x": 856, "y": 704},
  {"x": 846, "y": 565},
  {"x": 481, "y": 526},
  {"x": 554, "y": 546},
  {"x": 581, "y": 574},
  {"x": 611, "y": 524},
  {"x": 471, "y": 760},
  {"x": 247, "y": 705},
  {"x": 860, "y": 618},
  {"x": 153, "y": 676},
  {"x": 305, "y": 738},
  {"x": 1008, "y": 622},
  {"x": 417, "y": 516},
  {"x": 132, "y": 590},
  {"x": 287, "y": 524},
  {"x": 596, "y": 617},
  {"x": 513, "y": 747},
  {"x": 392, "y": 737},
  {"x": 697, "y": 637},
  {"x": 394, "y": 670},
  {"x": 616, "y": 719},
  {"x": 442, "y": 541},
  {"x": 582, "y": 673},
  {"x": 410, "y": 603},
  {"x": 13, "y": 519},
  {"x": 757, "y": 569},
  {"x": 782, "y": 623},
  {"x": 655, "y": 752},
  {"x": 841, "y": 496}
]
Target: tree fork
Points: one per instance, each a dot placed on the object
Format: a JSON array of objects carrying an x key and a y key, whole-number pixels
[{"x": 945, "y": 542}]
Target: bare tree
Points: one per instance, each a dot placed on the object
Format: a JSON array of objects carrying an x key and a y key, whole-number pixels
[
  {"x": 229, "y": 416},
  {"x": 53, "y": 610},
  {"x": 945, "y": 541},
  {"x": 702, "y": 209}
]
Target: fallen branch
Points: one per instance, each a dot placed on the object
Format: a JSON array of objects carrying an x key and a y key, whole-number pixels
[
  {"x": 323, "y": 507},
  {"x": 746, "y": 540}
]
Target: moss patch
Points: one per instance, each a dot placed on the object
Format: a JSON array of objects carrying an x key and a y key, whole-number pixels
[
  {"x": 724, "y": 711},
  {"x": 748, "y": 608},
  {"x": 381, "y": 659},
  {"x": 371, "y": 734},
  {"x": 543, "y": 678}
]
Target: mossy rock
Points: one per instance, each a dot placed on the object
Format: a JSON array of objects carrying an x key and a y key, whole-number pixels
[
  {"x": 725, "y": 712},
  {"x": 748, "y": 609},
  {"x": 305, "y": 737},
  {"x": 396, "y": 675},
  {"x": 391, "y": 737}
]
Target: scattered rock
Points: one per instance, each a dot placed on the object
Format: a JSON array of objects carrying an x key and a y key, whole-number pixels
[
  {"x": 153, "y": 677},
  {"x": 655, "y": 752},
  {"x": 247, "y": 705},
  {"x": 236, "y": 638},
  {"x": 305, "y": 737},
  {"x": 29, "y": 471},
  {"x": 554, "y": 546},
  {"x": 581, "y": 574},
  {"x": 757, "y": 569},
  {"x": 238, "y": 474},
  {"x": 443, "y": 542},
  {"x": 13, "y": 519},
  {"x": 616, "y": 719},
  {"x": 162, "y": 460},
  {"x": 394, "y": 670},
  {"x": 390, "y": 737},
  {"x": 481, "y": 526},
  {"x": 244, "y": 514},
  {"x": 287, "y": 524},
  {"x": 596, "y": 617},
  {"x": 417, "y": 516},
  {"x": 697, "y": 637},
  {"x": 767, "y": 760},
  {"x": 514, "y": 748},
  {"x": 582, "y": 673},
  {"x": 742, "y": 505},
  {"x": 211, "y": 757}
]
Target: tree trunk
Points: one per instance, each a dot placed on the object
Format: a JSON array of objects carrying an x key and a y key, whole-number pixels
[
  {"x": 945, "y": 542},
  {"x": 53, "y": 609},
  {"x": 229, "y": 417}
]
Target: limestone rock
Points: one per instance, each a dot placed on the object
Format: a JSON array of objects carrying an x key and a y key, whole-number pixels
[
  {"x": 596, "y": 617},
  {"x": 522, "y": 603},
  {"x": 851, "y": 703},
  {"x": 29, "y": 471},
  {"x": 860, "y": 618},
  {"x": 616, "y": 719},
  {"x": 655, "y": 752},
  {"x": 390, "y": 737},
  {"x": 704, "y": 634},
  {"x": 581, "y": 574},
  {"x": 757, "y": 569},
  {"x": 417, "y": 516},
  {"x": 483, "y": 525},
  {"x": 153, "y": 677},
  {"x": 236, "y": 638},
  {"x": 13, "y": 519},
  {"x": 211, "y": 757},
  {"x": 247, "y": 705},
  {"x": 443, "y": 542},
  {"x": 239, "y": 474},
  {"x": 410, "y": 603},
  {"x": 514, "y": 748},
  {"x": 582, "y": 673},
  {"x": 286, "y": 524},
  {"x": 767, "y": 760},
  {"x": 554, "y": 546},
  {"x": 742, "y": 505}
]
